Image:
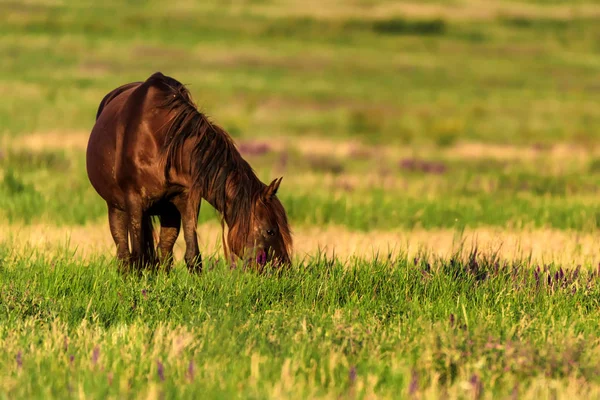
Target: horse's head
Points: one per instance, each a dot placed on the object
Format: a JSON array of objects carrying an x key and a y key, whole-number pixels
[{"x": 267, "y": 236}]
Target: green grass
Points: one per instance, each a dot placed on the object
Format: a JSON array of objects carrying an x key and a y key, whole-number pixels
[
  {"x": 354, "y": 70},
  {"x": 475, "y": 193},
  {"x": 320, "y": 329},
  {"x": 509, "y": 80}
]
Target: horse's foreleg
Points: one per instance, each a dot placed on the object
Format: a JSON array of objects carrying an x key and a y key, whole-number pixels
[
  {"x": 189, "y": 209},
  {"x": 117, "y": 220},
  {"x": 170, "y": 223}
]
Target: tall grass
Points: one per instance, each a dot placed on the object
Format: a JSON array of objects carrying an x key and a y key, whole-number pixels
[{"x": 320, "y": 329}]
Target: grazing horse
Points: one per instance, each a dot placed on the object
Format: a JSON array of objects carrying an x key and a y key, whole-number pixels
[{"x": 152, "y": 153}]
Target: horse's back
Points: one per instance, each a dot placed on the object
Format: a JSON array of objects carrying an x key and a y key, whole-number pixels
[
  {"x": 129, "y": 102},
  {"x": 114, "y": 93}
]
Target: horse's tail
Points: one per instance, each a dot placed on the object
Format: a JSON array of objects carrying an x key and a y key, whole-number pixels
[{"x": 110, "y": 96}]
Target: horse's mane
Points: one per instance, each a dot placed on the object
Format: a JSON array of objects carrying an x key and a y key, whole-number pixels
[{"x": 218, "y": 170}]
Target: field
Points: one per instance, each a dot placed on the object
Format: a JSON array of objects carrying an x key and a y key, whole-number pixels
[{"x": 441, "y": 169}]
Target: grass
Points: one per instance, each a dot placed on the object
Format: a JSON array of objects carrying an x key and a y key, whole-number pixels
[
  {"x": 506, "y": 80},
  {"x": 318, "y": 192},
  {"x": 321, "y": 329},
  {"x": 394, "y": 123}
]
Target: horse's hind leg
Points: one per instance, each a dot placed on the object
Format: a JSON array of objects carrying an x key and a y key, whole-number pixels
[
  {"x": 170, "y": 224},
  {"x": 117, "y": 219},
  {"x": 135, "y": 226},
  {"x": 148, "y": 252}
]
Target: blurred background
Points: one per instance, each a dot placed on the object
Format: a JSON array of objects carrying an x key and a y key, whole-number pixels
[{"x": 381, "y": 115}]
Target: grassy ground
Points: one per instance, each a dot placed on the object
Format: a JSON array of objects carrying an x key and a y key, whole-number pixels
[
  {"x": 519, "y": 75},
  {"x": 408, "y": 135},
  {"x": 387, "y": 328},
  {"x": 362, "y": 191}
]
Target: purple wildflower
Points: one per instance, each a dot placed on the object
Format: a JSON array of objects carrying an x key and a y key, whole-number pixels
[
  {"x": 428, "y": 167},
  {"x": 254, "y": 148},
  {"x": 160, "y": 370},
  {"x": 19, "y": 359},
  {"x": 408, "y": 163},
  {"x": 95, "y": 355},
  {"x": 144, "y": 293},
  {"x": 71, "y": 359},
  {"x": 414, "y": 383},
  {"x": 352, "y": 374},
  {"x": 190, "y": 371},
  {"x": 477, "y": 386}
]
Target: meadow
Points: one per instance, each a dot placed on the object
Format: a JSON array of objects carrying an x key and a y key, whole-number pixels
[{"x": 441, "y": 173}]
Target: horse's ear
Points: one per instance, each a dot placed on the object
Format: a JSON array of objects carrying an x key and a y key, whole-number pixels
[{"x": 271, "y": 190}]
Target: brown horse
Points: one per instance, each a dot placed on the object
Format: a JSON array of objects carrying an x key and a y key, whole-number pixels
[{"x": 152, "y": 153}]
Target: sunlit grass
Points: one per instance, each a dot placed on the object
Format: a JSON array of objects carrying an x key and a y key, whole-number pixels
[
  {"x": 395, "y": 193},
  {"x": 408, "y": 134},
  {"x": 321, "y": 329}
]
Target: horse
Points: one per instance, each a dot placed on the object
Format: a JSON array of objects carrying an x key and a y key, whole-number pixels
[{"x": 151, "y": 153}]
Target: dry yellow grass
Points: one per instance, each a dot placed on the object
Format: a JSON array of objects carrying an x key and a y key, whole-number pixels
[
  {"x": 541, "y": 245},
  {"x": 77, "y": 140},
  {"x": 464, "y": 10},
  {"x": 52, "y": 140}
]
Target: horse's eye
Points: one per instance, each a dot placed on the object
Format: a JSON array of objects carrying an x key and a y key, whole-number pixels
[{"x": 270, "y": 232}]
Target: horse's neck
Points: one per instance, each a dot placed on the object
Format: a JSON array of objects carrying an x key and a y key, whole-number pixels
[
  {"x": 234, "y": 196},
  {"x": 225, "y": 179}
]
